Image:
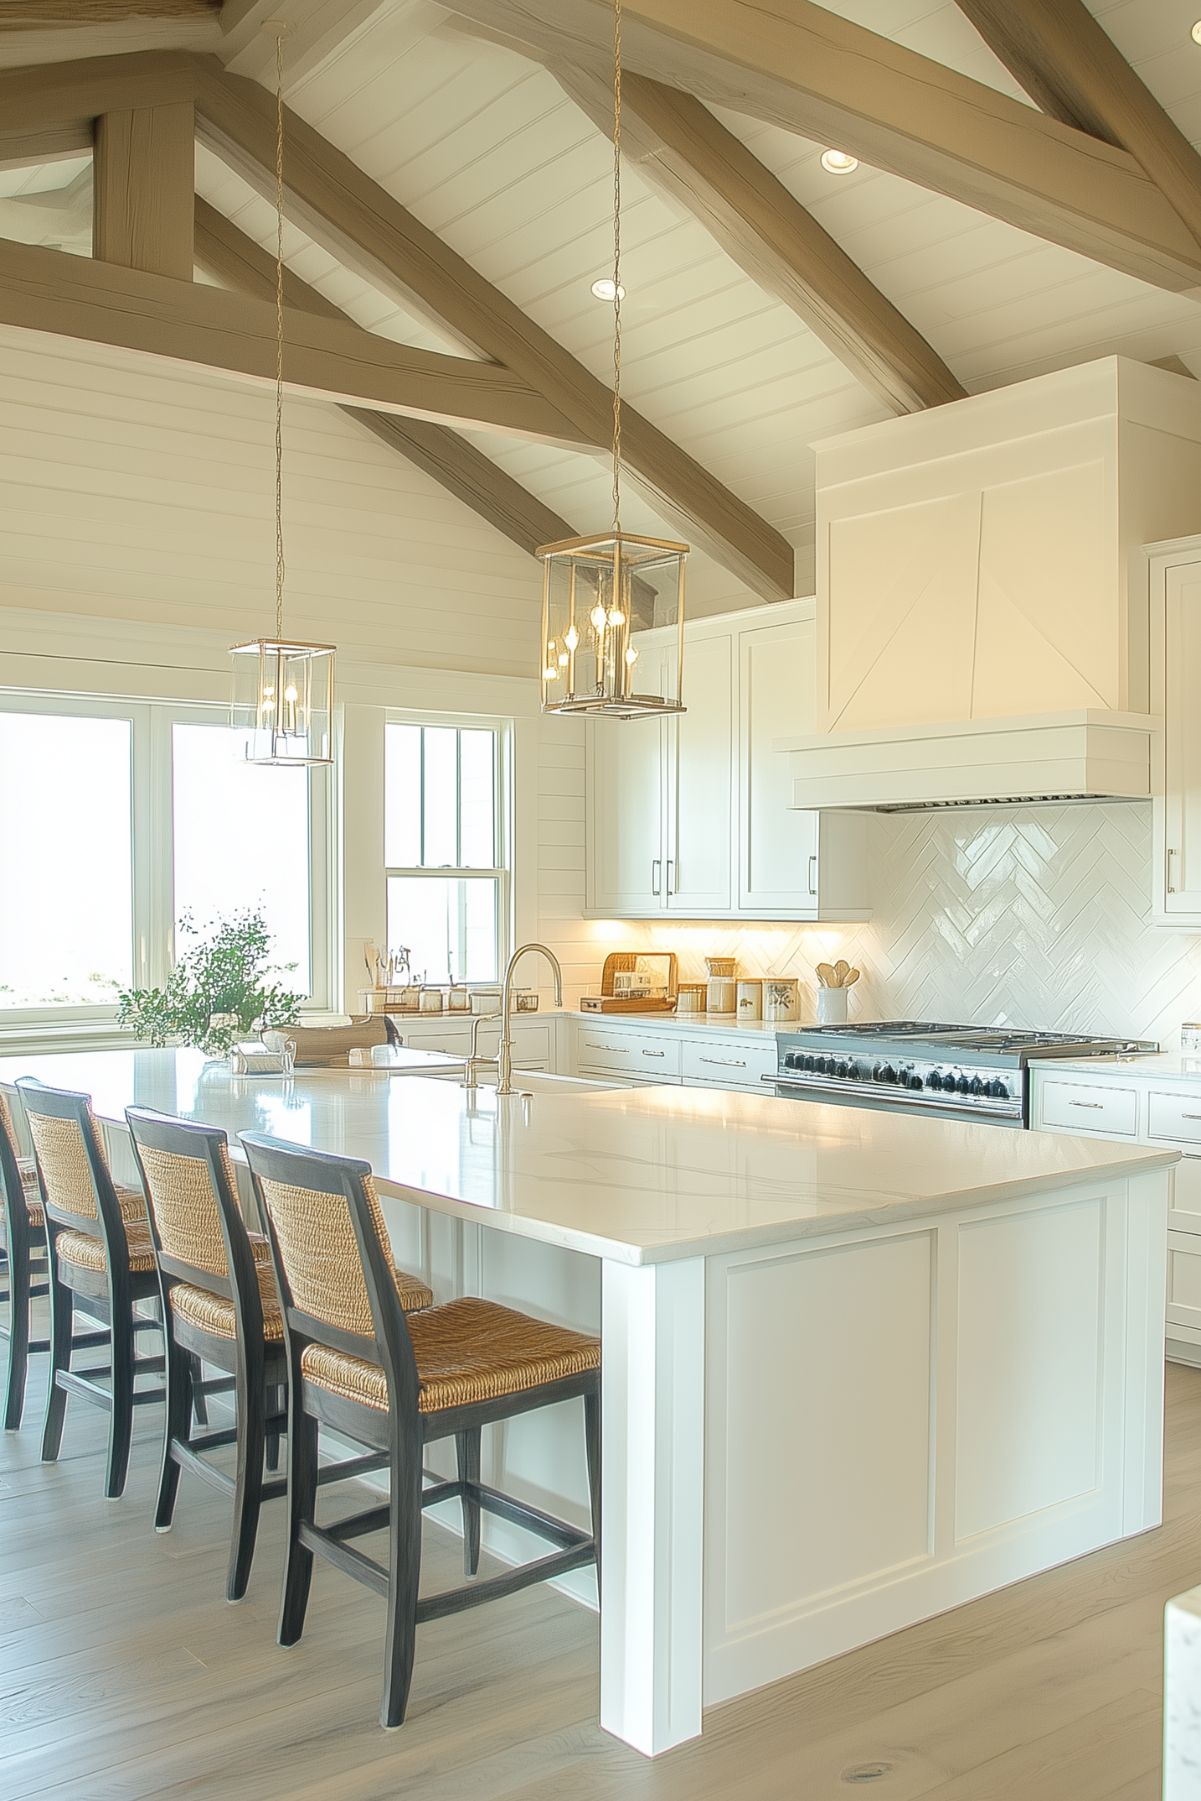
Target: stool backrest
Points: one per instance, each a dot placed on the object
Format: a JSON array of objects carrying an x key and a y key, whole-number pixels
[
  {"x": 77, "y": 1185},
  {"x": 333, "y": 1260},
  {"x": 12, "y": 1188},
  {"x": 196, "y": 1223}
]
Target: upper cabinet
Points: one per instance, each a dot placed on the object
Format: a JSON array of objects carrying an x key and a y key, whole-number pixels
[
  {"x": 1176, "y": 684},
  {"x": 690, "y": 815}
]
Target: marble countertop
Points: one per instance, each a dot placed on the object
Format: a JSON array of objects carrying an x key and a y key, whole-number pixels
[
  {"x": 638, "y": 1176},
  {"x": 1174, "y": 1065}
]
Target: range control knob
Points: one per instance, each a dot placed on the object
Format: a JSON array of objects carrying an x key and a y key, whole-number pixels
[
  {"x": 915, "y": 1081},
  {"x": 976, "y": 1086},
  {"x": 886, "y": 1073},
  {"x": 934, "y": 1080},
  {"x": 999, "y": 1089},
  {"x": 963, "y": 1085},
  {"x": 842, "y": 1069}
]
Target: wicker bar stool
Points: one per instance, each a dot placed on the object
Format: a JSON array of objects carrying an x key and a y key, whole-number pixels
[
  {"x": 220, "y": 1305},
  {"x": 25, "y": 1268},
  {"x": 101, "y": 1261},
  {"x": 393, "y": 1382}
]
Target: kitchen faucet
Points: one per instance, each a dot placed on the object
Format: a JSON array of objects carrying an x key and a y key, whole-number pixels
[{"x": 503, "y": 1060}]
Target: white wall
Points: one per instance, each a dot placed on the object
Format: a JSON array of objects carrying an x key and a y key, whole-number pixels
[{"x": 1020, "y": 916}]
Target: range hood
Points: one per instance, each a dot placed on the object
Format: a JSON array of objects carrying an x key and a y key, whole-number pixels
[
  {"x": 982, "y": 630},
  {"x": 1034, "y": 759}
]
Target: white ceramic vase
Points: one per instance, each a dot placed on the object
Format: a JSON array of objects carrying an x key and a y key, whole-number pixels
[{"x": 832, "y": 1006}]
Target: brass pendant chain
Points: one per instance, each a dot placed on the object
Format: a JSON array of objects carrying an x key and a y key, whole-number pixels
[
  {"x": 616, "y": 268},
  {"x": 279, "y": 333}
]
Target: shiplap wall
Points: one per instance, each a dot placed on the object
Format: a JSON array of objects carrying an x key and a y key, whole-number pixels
[{"x": 137, "y": 491}]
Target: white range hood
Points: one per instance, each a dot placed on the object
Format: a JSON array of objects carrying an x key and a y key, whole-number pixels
[
  {"x": 1036, "y": 758},
  {"x": 982, "y": 627}
]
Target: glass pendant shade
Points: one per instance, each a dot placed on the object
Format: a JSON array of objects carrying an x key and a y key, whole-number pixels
[
  {"x": 598, "y": 596},
  {"x": 283, "y": 696}
]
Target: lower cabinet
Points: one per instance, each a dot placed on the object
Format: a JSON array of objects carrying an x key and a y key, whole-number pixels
[{"x": 639, "y": 1054}]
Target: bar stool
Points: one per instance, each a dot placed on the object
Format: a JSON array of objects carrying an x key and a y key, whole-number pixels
[
  {"x": 101, "y": 1261},
  {"x": 25, "y": 1268},
  {"x": 220, "y": 1305},
  {"x": 393, "y": 1382}
]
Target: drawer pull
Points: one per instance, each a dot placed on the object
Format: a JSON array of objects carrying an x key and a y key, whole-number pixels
[
  {"x": 725, "y": 1062},
  {"x": 1092, "y": 1106},
  {"x": 1190, "y": 1116},
  {"x": 614, "y": 1050},
  {"x": 654, "y": 1053}
]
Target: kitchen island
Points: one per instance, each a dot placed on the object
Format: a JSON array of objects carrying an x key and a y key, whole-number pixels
[{"x": 858, "y": 1367}]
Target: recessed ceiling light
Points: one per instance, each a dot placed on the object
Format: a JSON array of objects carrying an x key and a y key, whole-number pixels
[
  {"x": 1196, "y": 32},
  {"x": 837, "y": 162},
  {"x": 603, "y": 289}
]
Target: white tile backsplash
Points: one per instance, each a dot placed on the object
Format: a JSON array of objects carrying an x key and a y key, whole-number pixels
[{"x": 1034, "y": 916}]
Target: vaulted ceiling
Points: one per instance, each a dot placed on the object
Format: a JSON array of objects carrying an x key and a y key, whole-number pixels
[{"x": 769, "y": 303}]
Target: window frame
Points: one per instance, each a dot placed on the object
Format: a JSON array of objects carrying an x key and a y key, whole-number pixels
[
  {"x": 152, "y": 883},
  {"x": 501, "y": 873}
]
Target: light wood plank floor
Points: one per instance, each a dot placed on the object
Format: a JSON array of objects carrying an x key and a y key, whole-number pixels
[{"x": 123, "y": 1672}]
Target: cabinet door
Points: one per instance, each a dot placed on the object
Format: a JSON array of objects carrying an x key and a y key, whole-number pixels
[
  {"x": 701, "y": 760},
  {"x": 778, "y": 847},
  {"x": 1180, "y": 873},
  {"x": 625, "y": 832}
]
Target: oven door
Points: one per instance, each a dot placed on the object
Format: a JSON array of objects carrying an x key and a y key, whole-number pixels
[{"x": 917, "y": 1106}]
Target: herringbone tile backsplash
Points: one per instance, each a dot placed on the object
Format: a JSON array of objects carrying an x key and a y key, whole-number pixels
[{"x": 1018, "y": 916}]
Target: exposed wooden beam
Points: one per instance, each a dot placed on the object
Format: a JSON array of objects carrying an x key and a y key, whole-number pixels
[
  {"x": 205, "y": 328},
  {"x": 342, "y": 208},
  {"x": 795, "y": 65},
  {"x": 25, "y": 149},
  {"x": 144, "y": 183},
  {"x": 1069, "y": 65},
  {"x": 687, "y": 153},
  {"x": 32, "y": 15},
  {"x": 228, "y": 254},
  {"x": 64, "y": 94}
]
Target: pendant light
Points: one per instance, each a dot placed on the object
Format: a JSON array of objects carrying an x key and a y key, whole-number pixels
[
  {"x": 592, "y": 586},
  {"x": 283, "y": 689}
]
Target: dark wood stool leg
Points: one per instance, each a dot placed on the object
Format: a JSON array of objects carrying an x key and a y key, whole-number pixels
[
  {"x": 592, "y": 1443},
  {"x": 62, "y": 1308},
  {"x": 120, "y": 1419},
  {"x": 198, "y": 1396},
  {"x": 467, "y": 1451},
  {"x": 277, "y": 1401},
  {"x": 18, "y": 1337},
  {"x": 404, "y": 1573},
  {"x": 248, "y": 1490},
  {"x": 302, "y": 1501},
  {"x": 176, "y": 1430}
]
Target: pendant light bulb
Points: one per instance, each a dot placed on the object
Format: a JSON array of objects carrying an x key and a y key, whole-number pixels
[
  {"x": 598, "y": 617},
  {"x": 571, "y": 638}
]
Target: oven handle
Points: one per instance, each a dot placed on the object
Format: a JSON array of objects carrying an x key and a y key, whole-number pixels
[{"x": 869, "y": 1090}]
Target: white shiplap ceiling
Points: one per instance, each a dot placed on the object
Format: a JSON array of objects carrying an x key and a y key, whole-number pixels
[{"x": 485, "y": 149}]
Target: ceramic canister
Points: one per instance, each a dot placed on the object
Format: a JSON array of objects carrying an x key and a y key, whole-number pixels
[
  {"x": 750, "y": 998},
  {"x": 781, "y": 998},
  {"x": 722, "y": 994},
  {"x": 692, "y": 997}
]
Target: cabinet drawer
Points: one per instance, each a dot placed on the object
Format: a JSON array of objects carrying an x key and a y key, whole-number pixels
[
  {"x": 628, "y": 1053},
  {"x": 1174, "y": 1116},
  {"x": 729, "y": 1065},
  {"x": 1084, "y": 1108}
]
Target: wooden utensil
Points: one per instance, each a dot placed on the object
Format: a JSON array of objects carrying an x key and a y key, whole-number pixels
[
  {"x": 825, "y": 975},
  {"x": 842, "y": 970},
  {"x": 852, "y": 978}
]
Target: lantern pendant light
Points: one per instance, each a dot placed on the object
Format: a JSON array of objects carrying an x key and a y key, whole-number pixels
[
  {"x": 283, "y": 688},
  {"x": 593, "y": 587}
]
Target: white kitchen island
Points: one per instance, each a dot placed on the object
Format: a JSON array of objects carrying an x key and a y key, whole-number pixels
[{"x": 858, "y": 1367}]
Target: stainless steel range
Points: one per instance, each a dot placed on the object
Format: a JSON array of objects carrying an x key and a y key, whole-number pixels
[{"x": 952, "y": 1072}]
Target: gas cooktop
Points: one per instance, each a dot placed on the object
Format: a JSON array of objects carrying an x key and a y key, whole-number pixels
[{"x": 951, "y": 1070}]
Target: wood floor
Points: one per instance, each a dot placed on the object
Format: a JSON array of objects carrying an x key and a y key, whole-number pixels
[{"x": 125, "y": 1674}]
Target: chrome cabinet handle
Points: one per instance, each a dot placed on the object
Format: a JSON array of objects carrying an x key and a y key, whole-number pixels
[
  {"x": 656, "y": 874},
  {"x": 1090, "y": 1106},
  {"x": 1171, "y": 886},
  {"x": 614, "y": 1050},
  {"x": 671, "y": 882},
  {"x": 813, "y": 874},
  {"x": 654, "y": 1053},
  {"x": 1190, "y": 1116},
  {"x": 725, "y": 1062}
]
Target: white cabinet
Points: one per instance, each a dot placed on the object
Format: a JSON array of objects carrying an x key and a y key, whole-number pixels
[
  {"x": 691, "y": 815},
  {"x": 655, "y": 1051},
  {"x": 1176, "y": 682}
]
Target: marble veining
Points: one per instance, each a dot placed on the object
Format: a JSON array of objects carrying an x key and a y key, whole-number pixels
[{"x": 638, "y": 1176}]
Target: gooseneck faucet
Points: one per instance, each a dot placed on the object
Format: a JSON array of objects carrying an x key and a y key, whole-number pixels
[{"x": 504, "y": 1056}]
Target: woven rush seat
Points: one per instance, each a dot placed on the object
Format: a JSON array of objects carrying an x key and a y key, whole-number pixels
[
  {"x": 84, "y": 1252},
  {"x": 215, "y": 1314},
  {"x": 467, "y": 1351}
]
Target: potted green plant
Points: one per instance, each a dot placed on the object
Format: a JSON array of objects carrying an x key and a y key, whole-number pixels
[{"x": 224, "y": 985}]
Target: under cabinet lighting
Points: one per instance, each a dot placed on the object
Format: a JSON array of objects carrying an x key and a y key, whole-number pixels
[{"x": 837, "y": 162}]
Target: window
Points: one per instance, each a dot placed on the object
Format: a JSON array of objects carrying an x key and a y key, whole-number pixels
[
  {"x": 130, "y": 816},
  {"x": 444, "y": 849}
]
